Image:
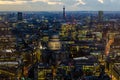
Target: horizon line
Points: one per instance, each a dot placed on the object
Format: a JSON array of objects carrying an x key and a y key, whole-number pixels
[{"x": 61, "y": 11}]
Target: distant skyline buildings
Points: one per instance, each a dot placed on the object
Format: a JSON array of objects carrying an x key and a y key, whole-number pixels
[
  {"x": 100, "y": 15},
  {"x": 19, "y": 16},
  {"x": 56, "y": 5}
]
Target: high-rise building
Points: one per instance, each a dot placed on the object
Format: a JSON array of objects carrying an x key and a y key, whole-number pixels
[
  {"x": 7, "y": 39},
  {"x": 115, "y": 47},
  {"x": 100, "y": 15},
  {"x": 3, "y": 17},
  {"x": 19, "y": 16},
  {"x": 54, "y": 43},
  {"x": 64, "y": 12}
]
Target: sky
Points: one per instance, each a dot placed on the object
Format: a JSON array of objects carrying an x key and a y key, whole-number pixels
[{"x": 57, "y": 5}]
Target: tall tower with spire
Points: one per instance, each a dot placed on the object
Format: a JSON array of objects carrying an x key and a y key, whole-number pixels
[{"x": 63, "y": 12}]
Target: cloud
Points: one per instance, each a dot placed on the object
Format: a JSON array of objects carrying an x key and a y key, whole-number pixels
[
  {"x": 54, "y": 5},
  {"x": 51, "y": 2},
  {"x": 101, "y": 1},
  {"x": 80, "y": 2},
  {"x": 12, "y": 2}
]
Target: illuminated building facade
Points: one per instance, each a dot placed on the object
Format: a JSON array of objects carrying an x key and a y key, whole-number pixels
[
  {"x": 115, "y": 47},
  {"x": 116, "y": 71},
  {"x": 7, "y": 39},
  {"x": 54, "y": 43}
]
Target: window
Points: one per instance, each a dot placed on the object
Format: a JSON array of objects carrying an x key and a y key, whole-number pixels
[{"x": 2, "y": 29}]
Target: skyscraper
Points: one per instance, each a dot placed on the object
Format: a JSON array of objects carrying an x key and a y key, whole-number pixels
[
  {"x": 64, "y": 12},
  {"x": 19, "y": 16},
  {"x": 100, "y": 15}
]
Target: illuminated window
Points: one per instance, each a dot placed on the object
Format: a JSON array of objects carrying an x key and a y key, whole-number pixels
[{"x": 2, "y": 29}]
